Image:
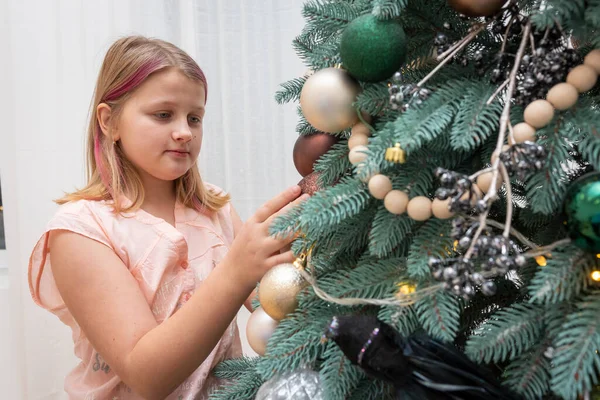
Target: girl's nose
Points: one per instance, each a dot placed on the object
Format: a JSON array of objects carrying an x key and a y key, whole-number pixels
[{"x": 182, "y": 135}]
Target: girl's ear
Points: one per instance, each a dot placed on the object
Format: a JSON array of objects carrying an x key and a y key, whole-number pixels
[{"x": 104, "y": 114}]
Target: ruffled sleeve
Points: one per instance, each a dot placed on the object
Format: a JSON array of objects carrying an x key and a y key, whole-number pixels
[{"x": 78, "y": 217}]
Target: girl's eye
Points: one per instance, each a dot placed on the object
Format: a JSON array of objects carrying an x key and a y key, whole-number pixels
[
  {"x": 195, "y": 120},
  {"x": 162, "y": 115}
]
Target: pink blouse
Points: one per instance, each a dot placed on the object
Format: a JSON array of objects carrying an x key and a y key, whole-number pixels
[{"x": 168, "y": 262}]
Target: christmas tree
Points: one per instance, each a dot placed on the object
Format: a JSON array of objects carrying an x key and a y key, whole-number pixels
[{"x": 454, "y": 226}]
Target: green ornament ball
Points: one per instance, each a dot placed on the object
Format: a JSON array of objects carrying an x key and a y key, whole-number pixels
[
  {"x": 582, "y": 209},
  {"x": 373, "y": 50}
]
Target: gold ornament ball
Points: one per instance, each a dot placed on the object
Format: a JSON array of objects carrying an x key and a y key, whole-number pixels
[
  {"x": 419, "y": 208},
  {"x": 484, "y": 181},
  {"x": 441, "y": 208},
  {"x": 259, "y": 330},
  {"x": 593, "y": 60},
  {"x": 326, "y": 100},
  {"x": 583, "y": 77},
  {"x": 563, "y": 96},
  {"x": 477, "y": 8},
  {"x": 523, "y": 132},
  {"x": 358, "y": 154},
  {"x": 539, "y": 113},
  {"x": 357, "y": 139},
  {"x": 396, "y": 202},
  {"x": 278, "y": 290},
  {"x": 379, "y": 186}
]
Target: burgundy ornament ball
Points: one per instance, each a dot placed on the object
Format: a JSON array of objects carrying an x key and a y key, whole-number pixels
[{"x": 309, "y": 148}]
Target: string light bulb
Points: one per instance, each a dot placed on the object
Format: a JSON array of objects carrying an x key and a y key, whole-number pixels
[{"x": 541, "y": 261}]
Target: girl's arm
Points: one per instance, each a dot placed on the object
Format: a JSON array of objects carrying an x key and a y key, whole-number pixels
[
  {"x": 107, "y": 303},
  {"x": 237, "y": 226}
]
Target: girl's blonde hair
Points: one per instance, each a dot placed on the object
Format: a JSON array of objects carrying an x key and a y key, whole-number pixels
[{"x": 128, "y": 62}]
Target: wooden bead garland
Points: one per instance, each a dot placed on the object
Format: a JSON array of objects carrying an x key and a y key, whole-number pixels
[
  {"x": 561, "y": 97},
  {"x": 396, "y": 202},
  {"x": 537, "y": 115}
]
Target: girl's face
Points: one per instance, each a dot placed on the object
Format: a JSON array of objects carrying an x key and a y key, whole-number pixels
[{"x": 160, "y": 127}]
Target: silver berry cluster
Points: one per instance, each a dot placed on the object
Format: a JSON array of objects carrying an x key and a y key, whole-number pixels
[
  {"x": 491, "y": 256},
  {"x": 523, "y": 158},
  {"x": 402, "y": 96},
  {"x": 461, "y": 191}
]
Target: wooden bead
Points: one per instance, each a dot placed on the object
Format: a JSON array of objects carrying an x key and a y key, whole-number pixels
[
  {"x": 440, "y": 208},
  {"x": 419, "y": 208},
  {"x": 379, "y": 186},
  {"x": 357, "y": 139},
  {"x": 539, "y": 113},
  {"x": 583, "y": 77},
  {"x": 593, "y": 60},
  {"x": 396, "y": 202},
  {"x": 357, "y": 154},
  {"x": 484, "y": 181},
  {"x": 563, "y": 96},
  {"x": 495, "y": 155},
  {"x": 361, "y": 129},
  {"x": 523, "y": 132}
]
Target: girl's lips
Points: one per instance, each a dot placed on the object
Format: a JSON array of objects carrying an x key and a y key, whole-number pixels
[{"x": 178, "y": 153}]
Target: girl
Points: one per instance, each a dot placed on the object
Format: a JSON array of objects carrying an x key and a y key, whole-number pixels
[{"x": 147, "y": 264}]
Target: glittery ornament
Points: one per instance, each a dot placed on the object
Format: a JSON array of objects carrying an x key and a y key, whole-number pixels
[
  {"x": 302, "y": 384},
  {"x": 326, "y": 100},
  {"x": 310, "y": 184},
  {"x": 372, "y": 49},
  {"x": 477, "y": 8},
  {"x": 309, "y": 148},
  {"x": 582, "y": 209},
  {"x": 278, "y": 290}
]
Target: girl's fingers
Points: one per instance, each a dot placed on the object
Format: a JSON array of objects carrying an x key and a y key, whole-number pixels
[
  {"x": 285, "y": 209},
  {"x": 276, "y": 203},
  {"x": 284, "y": 258}
]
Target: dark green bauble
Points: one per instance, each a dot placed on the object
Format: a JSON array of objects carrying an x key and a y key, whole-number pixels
[
  {"x": 373, "y": 50},
  {"x": 582, "y": 208}
]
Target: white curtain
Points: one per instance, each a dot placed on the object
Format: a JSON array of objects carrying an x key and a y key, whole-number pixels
[{"x": 50, "y": 53}]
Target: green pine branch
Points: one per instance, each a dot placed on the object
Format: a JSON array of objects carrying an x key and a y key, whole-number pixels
[
  {"x": 475, "y": 121},
  {"x": 371, "y": 279},
  {"x": 332, "y": 205},
  {"x": 290, "y": 90},
  {"x": 509, "y": 333},
  {"x": 244, "y": 388},
  {"x": 529, "y": 374},
  {"x": 389, "y": 232},
  {"x": 546, "y": 188},
  {"x": 333, "y": 164},
  {"x": 439, "y": 314},
  {"x": 349, "y": 238},
  {"x": 339, "y": 376},
  {"x": 330, "y": 16},
  {"x": 565, "y": 276},
  {"x": 576, "y": 362},
  {"x": 234, "y": 368},
  {"x": 563, "y": 11},
  {"x": 404, "y": 319},
  {"x": 388, "y": 9},
  {"x": 432, "y": 240}
]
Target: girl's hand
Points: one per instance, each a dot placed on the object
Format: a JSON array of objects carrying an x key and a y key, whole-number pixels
[{"x": 253, "y": 251}]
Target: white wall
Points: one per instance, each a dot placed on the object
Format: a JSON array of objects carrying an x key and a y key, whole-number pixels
[{"x": 50, "y": 52}]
